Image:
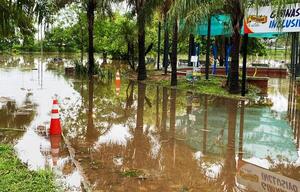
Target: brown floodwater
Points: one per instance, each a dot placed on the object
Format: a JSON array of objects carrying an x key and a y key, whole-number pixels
[{"x": 129, "y": 136}]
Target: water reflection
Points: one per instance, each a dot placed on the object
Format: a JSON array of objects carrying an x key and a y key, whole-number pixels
[
  {"x": 182, "y": 139},
  {"x": 150, "y": 138}
]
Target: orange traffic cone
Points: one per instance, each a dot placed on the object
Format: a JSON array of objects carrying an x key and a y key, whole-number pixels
[
  {"x": 118, "y": 83},
  {"x": 55, "y": 128},
  {"x": 55, "y": 143}
]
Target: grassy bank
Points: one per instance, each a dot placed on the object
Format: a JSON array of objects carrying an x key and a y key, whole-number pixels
[
  {"x": 15, "y": 176},
  {"x": 214, "y": 86}
]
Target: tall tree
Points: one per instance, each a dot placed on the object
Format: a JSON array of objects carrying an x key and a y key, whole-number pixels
[
  {"x": 142, "y": 74},
  {"x": 91, "y": 16},
  {"x": 144, "y": 10},
  {"x": 165, "y": 9},
  {"x": 103, "y": 8},
  {"x": 138, "y": 8}
]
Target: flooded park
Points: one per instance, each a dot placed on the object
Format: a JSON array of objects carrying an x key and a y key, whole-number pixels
[
  {"x": 150, "y": 95},
  {"x": 143, "y": 137}
]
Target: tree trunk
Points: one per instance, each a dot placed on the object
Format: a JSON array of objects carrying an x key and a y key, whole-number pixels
[
  {"x": 158, "y": 48},
  {"x": 237, "y": 20},
  {"x": 174, "y": 54},
  {"x": 90, "y": 17},
  {"x": 130, "y": 55},
  {"x": 81, "y": 40},
  {"x": 166, "y": 46},
  {"x": 142, "y": 75},
  {"x": 234, "y": 86}
]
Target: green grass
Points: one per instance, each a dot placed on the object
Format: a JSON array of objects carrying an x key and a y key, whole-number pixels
[
  {"x": 15, "y": 176},
  {"x": 211, "y": 87},
  {"x": 131, "y": 173}
]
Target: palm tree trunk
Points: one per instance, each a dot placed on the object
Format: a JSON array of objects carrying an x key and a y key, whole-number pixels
[
  {"x": 142, "y": 75},
  {"x": 90, "y": 16},
  {"x": 81, "y": 40},
  {"x": 234, "y": 65},
  {"x": 236, "y": 19},
  {"x": 158, "y": 48},
  {"x": 166, "y": 46},
  {"x": 174, "y": 54}
]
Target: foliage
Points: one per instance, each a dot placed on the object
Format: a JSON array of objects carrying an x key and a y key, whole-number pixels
[
  {"x": 81, "y": 69},
  {"x": 15, "y": 176},
  {"x": 16, "y": 16},
  {"x": 255, "y": 46}
]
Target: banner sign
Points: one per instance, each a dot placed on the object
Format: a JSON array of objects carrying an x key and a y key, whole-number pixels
[
  {"x": 271, "y": 20},
  {"x": 262, "y": 180}
]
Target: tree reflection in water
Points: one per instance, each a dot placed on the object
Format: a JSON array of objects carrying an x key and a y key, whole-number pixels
[
  {"x": 92, "y": 133},
  {"x": 160, "y": 143}
]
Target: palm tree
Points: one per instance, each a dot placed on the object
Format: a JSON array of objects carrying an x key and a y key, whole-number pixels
[
  {"x": 144, "y": 10},
  {"x": 195, "y": 11},
  {"x": 138, "y": 7},
  {"x": 104, "y": 8},
  {"x": 165, "y": 10}
]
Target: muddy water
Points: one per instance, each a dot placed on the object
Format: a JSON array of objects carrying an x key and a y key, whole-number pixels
[{"x": 148, "y": 138}]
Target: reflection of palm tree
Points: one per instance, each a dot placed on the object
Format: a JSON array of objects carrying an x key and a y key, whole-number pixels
[
  {"x": 173, "y": 121},
  {"x": 164, "y": 111},
  {"x": 139, "y": 140},
  {"x": 228, "y": 171},
  {"x": 92, "y": 133}
]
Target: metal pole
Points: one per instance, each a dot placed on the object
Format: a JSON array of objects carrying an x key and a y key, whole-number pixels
[
  {"x": 244, "y": 75},
  {"x": 191, "y": 49},
  {"x": 296, "y": 54},
  {"x": 207, "y": 49}
]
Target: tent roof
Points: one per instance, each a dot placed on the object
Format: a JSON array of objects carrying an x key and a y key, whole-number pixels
[{"x": 221, "y": 25}]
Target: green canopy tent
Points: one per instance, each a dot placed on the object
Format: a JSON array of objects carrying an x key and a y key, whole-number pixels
[{"x": 221, "y": 25}]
